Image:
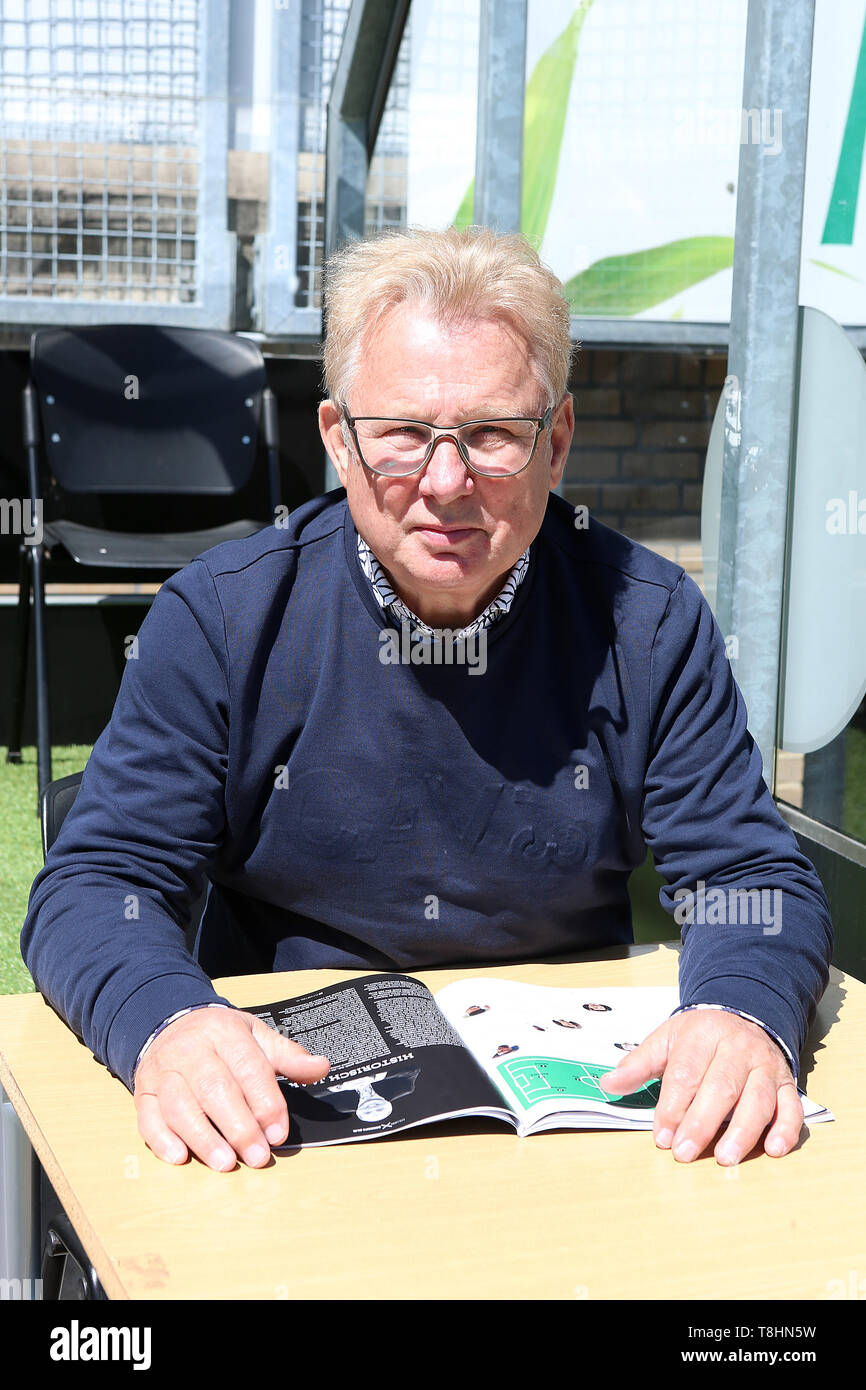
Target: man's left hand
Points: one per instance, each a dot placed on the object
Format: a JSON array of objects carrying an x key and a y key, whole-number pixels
[{"x": 714, "y": 1064}]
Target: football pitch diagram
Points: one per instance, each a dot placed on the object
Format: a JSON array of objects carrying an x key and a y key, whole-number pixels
[{"x": 534, "y": 1079}]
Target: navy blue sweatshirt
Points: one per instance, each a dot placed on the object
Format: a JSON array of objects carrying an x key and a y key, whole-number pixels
[{"x": 354, "y": 810}]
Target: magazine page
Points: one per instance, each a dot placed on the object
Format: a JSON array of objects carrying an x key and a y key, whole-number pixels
[
  {"x": 395, "y": 1062},
  {"x": 546, "y": 1048}
]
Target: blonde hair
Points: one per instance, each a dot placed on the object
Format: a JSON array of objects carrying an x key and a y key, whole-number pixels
[{"x": 458, "y": 275}]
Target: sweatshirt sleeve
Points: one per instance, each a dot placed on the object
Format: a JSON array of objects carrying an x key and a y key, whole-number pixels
[
  {"x": 103, "y": 936},
  {"x": 756, "y": 926}
]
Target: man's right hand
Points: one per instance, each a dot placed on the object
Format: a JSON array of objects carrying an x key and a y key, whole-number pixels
[{"x": 207, "y": 1085}]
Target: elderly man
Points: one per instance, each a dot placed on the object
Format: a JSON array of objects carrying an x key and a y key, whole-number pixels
[{"x": 437, "y": 717}]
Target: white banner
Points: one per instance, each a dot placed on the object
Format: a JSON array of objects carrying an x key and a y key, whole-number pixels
[{"x": 633, "y": 127}]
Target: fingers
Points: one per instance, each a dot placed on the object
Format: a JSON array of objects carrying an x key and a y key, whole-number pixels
[
  {"x": 644, "y": 1064},
  {"x": 729, "y": 1088},
  {"x": 174, "y": 1112},
  {"x": 760, "y": 1104},
  {"x": 156, "y": 1133},
  {"x": 253, "y": 1062},
  {"x": 745, "y": 1099},
  {"x": 717, "y": 1070},
  {"x": 784, "y": 1133},
  {"x": 688, "y": 1073},
  {"x": 288, "y": 1058},
  {"x": 208, "y": 1086}
]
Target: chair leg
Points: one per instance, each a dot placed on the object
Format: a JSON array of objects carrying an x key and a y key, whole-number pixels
[
  {"x": 22, "y": 642},
  {"x": 43, "y": 722},
  {"x": 62, "y": 1246}
]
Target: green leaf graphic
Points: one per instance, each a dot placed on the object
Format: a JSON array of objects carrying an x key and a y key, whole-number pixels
[
  {"x": 547, "y": 93},
  {"x": 464, "y": 217},
  {"x": 825, "y": 265},
  {"x": 624, "y": 285},
  {"x": 545, "y": 107},
  {"x": 839, "y": 226}
]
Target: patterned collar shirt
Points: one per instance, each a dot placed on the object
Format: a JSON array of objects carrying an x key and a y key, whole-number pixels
[{"x": 388, "y": 600}]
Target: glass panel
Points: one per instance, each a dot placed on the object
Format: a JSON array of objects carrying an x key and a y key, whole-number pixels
[
  {"x": 634, "y": 124},
  {"x": 821, "y": 758},
  {"x": 443, "y": 98},
  {"x": 823, "y": 712},
  {"x": 834, "y": 239},
  {"x": 632, "y": 135}
]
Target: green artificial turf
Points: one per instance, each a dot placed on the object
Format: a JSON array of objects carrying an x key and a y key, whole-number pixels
[{"x": 21, "y": 851}]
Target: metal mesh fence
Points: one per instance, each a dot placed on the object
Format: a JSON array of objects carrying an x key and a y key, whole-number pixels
[
  {"x": 101, "y": 161},
  {"x": 99, "y": 166}
]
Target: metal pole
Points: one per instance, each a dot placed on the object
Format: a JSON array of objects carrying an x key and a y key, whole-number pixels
[
  {"x": 277, "y": 266},
  {"x": 368, "y": 54},
  {"x": 499, "y": 131},
  {"x": 216, "y": 248},
  {"x": 763, "y": 354}
]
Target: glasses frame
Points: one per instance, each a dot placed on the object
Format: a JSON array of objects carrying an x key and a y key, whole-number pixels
[{"x": 440, "y": 432}]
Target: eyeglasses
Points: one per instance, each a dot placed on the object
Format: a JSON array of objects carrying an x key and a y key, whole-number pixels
[{"x": 496, "y": 448}]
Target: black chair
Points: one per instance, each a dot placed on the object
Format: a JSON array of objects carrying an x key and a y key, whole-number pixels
[
  {"x": 133, "y": 411},
  {"x": 55, "y": 803},
  {"x": 67, "y": 1272}
]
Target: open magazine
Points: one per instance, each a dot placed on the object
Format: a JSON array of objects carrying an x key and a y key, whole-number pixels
[{"x": 530, "y": 1055}]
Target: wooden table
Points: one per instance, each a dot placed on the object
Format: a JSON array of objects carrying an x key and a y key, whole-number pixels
[{"x": 457, "y": 1211}]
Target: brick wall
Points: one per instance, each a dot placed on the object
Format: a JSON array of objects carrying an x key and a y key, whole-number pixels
[{"x": 643, "y": 423}]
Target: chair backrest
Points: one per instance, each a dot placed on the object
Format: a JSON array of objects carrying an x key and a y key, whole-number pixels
[
  {"x": 139, "y": 408},
  {"x": 55, "y": 803}
]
